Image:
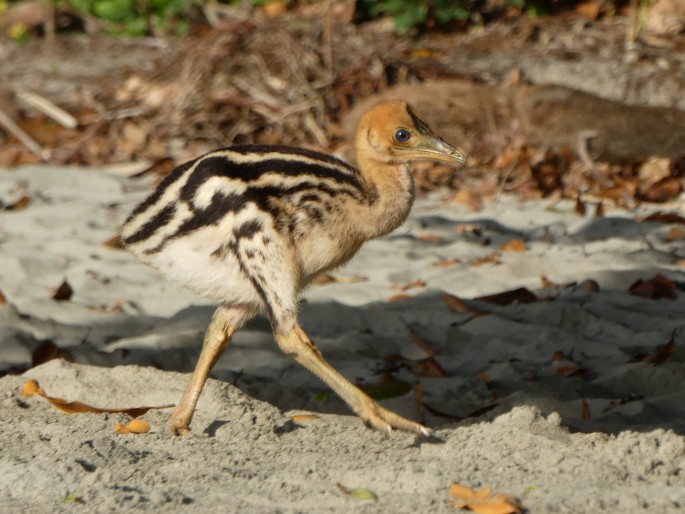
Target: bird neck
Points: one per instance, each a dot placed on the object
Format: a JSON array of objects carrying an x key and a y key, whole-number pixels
[{"x": 389, "y": 194}]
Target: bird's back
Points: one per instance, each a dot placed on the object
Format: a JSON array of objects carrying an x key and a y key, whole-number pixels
[{"x": 202, "y": 209}]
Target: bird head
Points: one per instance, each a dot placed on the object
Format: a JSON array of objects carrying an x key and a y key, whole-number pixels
[{"x": 391, "y": 132}]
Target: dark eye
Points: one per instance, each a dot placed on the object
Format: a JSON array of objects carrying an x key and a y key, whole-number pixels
[{"x": 402, "y": 135}]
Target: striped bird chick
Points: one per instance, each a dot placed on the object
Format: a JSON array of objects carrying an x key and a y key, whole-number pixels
[{"x": 251, "y": 226}]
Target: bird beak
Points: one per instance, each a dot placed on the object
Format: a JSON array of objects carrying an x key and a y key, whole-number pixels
[{"x": 435, "y": 149}]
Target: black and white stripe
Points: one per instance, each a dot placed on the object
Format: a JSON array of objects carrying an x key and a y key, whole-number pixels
[{"x": 275, "y": 179}]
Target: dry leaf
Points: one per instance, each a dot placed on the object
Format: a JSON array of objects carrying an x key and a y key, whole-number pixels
[
  {"x": 599, "y": 210},
  {"x": 493, "y": 258},
  {"x": 521, "y": 295},
  {"x": 675, "y": 234},
  {"x": 455, "y": 304},
  {"x": 654, "y": 288},
  {"x": 514, "y": 246},
  {"x": 274, "y": 8},
  {"x": 447, "y": 263},
  {"x": 399, "y": 298},
  {"x": 430, "y": 238},
  {"x": 564, "y": 366},
  {"x": 299, "y": 418},
  {"x": 589, "y": 10},
  {"x": 586, "y": 410},
  {"x": 661, "y": 355},
  {"x": 548, "y": 284},
  {"x": 135, "y": 426},
  {"x": 419, "y": 341},
  {"x": 662, "y": 217},
  {"x": 663, "y": 190},
  {"x": 466, "y": 199},
  {"x": 63, "y": 292},
  {"x": 468, "y": 227},
  {"x": 429, "y": 368},
  {"x": 31, "y": 388},
  {"x": 361, "y": 493},
  {"x": 410, "y": 285},
  {"x": 483, "y": 501},
  {"x": 22, "y": 203},
  {"x": 418, "y": 399},
  {"x": 47, "y": 351}
]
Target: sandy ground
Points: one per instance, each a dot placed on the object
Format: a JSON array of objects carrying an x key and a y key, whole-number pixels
[{"x": 130, "y": 333}]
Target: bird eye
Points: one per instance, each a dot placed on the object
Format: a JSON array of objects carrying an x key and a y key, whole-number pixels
[{"x": 402, "y": 135}]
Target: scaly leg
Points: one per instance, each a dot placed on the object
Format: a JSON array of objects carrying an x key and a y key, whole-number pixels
[
  {"x": 225, "y": 321},
  {"x": 297, "y": 344}
]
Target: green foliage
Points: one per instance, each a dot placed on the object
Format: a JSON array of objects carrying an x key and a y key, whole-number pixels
[
  {"x": 138, "y": 17},
  {"x": 412, "y": 13},
  {"x": 421, "y": 13}
]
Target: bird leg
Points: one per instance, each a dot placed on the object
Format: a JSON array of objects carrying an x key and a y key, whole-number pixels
[
  {"x": 225, "y": 321},
  {"x": 297, "y": 344}
]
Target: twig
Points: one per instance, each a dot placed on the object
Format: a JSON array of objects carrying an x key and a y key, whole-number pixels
[
  {"x": 48, "y": 108},
  {"x": 76, "y": 146},
  {"x": 584, "y": 156},
  {"x": 328, "y": 37},
  {"x": 23, "y": 137}
]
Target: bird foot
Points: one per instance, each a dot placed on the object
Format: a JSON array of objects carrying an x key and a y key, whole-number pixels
[
  {"x": 179, "y": 423},
  {"x": 377, "y": 417}
]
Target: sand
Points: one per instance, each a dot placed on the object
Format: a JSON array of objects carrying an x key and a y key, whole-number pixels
[{"x": 557, "y": 442}]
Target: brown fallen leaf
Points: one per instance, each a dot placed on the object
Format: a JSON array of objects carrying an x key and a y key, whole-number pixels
[
  {"x": 493, "y": 258},
  {"x": 586, "y": 410},
  {"x": 514, "y": 246},
  {"x": 599, "y": 209},
  {"x": 430, "y": 238},
  {"x": 468, "y": 200},
  {"x": 47, "y": 351},
  {"x": 447, "y": 263},
  {"x": 654, "y": 288},
  {"x": 399, "y": 297},
  {"x": 521, "y": 295},
  {"x": 663, "y": 190},
  {"x": 483, "y": 501},
  {"x": 22, "y": 203},
  {"x": 661, "y": 355},
  {"x": 31, "y": 388},
  {"x": 548, "y": 284},
  {"x": 63, "y": 292},
  {"x": 410, "y": 285},
  {"x": 419, "y": 341},
  {"x": 468, "y": 227},
  {"x": 589, "y": 10},
  {"x": 299, "y": 418},
  {"x": 429, "y": 368},
  {"x": 418, "y": 399},
  {"x": 564, "y": 366},
  {"x": 675, "y": 234},
  {"x": 135, "y": 426},
  {"x": 455, "y": 304},
  {"x": 662, "y": 217}
]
